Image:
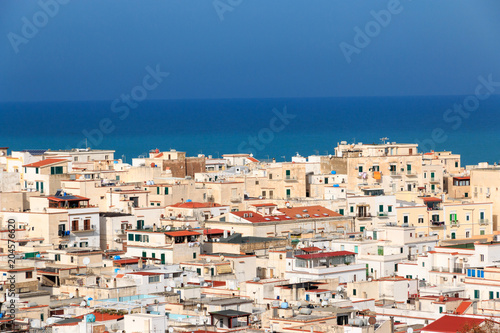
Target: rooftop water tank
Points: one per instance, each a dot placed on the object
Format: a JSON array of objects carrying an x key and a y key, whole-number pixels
[
  {"x": 335, "y": 185},
  {"x": 284, "y": 305},
  {"x": 334, "y": 172}
]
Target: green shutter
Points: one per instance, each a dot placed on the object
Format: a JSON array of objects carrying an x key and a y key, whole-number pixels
[
  {"x": 341, "y": 211},
  {"x": 287, "y": 172},
  {"x": 389, "y": 209},
  {"x": 130, "y": 237},
  {"x": 166, "y": 190},
  {"x": 52, "y": 171},
  {"x": 326, "y": 180},
  {"x": 163, "y": 258},
  {"x": 144, "y": 253},
  {"x": 381, "y": 208},
  {"x": 157, "y": 190}
]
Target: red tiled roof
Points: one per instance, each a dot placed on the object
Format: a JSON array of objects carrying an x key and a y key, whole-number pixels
[
  {"x": 462, "y": 178},
  {"x": 463, "y": 307},
  {"x": 252, "y": 159},
  {"x": 217, "y": 283},
  {"x": 182, "y": 233},
  {"x": 126, "y": 261},
  {"x": 45, "y": 162},
  {"x": 325, "y": 255},
  {"x": 311, "y": 211},
  {"x": 256, "y": 217},
  {"x": 104, "y": 316},
  {"x": 431, "y": 199},
  {"x": 311, "y": 249},
  {"x": 195, "y": 205},
  {"x": 452, "y": 324},
  {"x": 213, "y": 231}
]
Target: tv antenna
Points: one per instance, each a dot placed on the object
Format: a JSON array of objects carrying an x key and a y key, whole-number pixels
[{"x": 384, "y": 139}]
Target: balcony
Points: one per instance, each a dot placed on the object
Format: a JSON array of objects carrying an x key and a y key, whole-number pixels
[
  {"x": 92, "y": 228},
  {"x": 437, "y": 223},
  {"x": 382, "y": 214},
  {"x": 411, "y": 173},
  {"x": 63, "y": 233},
  {"x": 235, "y": 199},
  {"x": 395, "y": 174},
  {"x": 454, "y": 224},
  {"x": 121, "y": 232},
  {"x": 483, "y": 221},
  {"x": 363, "y": 216},
  {"x": 289, "y": 178},
  {"x": 434, "y": 180}
]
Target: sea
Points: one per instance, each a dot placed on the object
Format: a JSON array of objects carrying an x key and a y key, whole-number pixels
[{"x": 268, "y": 128}]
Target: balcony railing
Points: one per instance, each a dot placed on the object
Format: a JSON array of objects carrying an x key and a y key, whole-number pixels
[
  {"x": 364, "y": 215},
  {"x": 121, "y": 231},
  {"x": 437, "y": 223},
  {"x": 454, "y": 223},
  {"x": 483, "y": 221},
  {"x": 395, "y": 173},
  {"x": 382, "y": 214},
  {"x": 92, "y": 228},
  {"x": 290, "y": 178},
  {"x": 411, "y": 173},
  {"x": 434, "y": 180}
]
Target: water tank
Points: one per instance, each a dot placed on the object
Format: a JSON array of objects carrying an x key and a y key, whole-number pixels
[
  {"x": 305, "y": 311},
  {"x": 336, "y": 185},
  {"x": 189, "y": 200},
  {"x": 116, "y": 258},
  {"x": 284, "y": 305},
  {"x": 90, "y": 318},
  {"x": 334, "y": 172}
]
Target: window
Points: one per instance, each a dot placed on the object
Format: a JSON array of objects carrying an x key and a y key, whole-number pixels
[
  {"x": 360, "y": 168},
  {"x": 456, "y": 164},
  {"x": 389, "y": 209},
  {"x": 281, "y": 256},
  {"x": 84, "y": 244},
  {"x": 342, "y": 247},
  {"x": 86, "y": 224},
  {"x": 57, "y": 257},
  {"x": 288, "y": 192},
  {"x": 152, "y": 204},
  {"x": 355, "y": 249},
  {"x": 423, "y": 264},
  {"x": 166, "y": 190},
  {"x": 326, "y": 180},
  {"x": 270, "y": 176},
  {"x": 476, "y": 294},
  {"x": 157, "y": 203},
  {"x": 74, "y": 225},
  {"x": 154, "y": 279},
  {"x": 381, "y": 208},
  {"x": 481, "y": 257},
  {"x": 130, "y": 237},
  {"x": 405, "y": 218},
  {"x": 481, "y": 232},
  {"x": 433, "y": 187},
  {"x": 29, "y": 275},
  {"x": 420, "y": 219},
  {"x": 354, "y": 292},
  {"x": 157, "y": 190},
  {"x": 425, "y": 174},
  {"x": 453, "y": 235},
  {"x": 352, "y": 209},
  {"x": 341, "y": 211},
  {"x": 467, "y": 234},
  {"x": 56, "y": 170},
  {"x": 194, "y": 255},
  {"x": 37, "y": 170},
  {"x": 138, "y": 238}
]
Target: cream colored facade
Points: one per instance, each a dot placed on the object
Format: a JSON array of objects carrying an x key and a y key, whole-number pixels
[
  {"x": 472, "y": 219},
  {"x": 485, "y": 185}
]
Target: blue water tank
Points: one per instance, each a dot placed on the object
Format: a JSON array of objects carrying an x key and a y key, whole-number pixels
[
  {"x": 188, "y": 200},
  {"x": 284, "y": 305},
  {"x": 115, "y": 162},
  {"x": 90, "y": 318},
  {"x": 334, "y": 172},
  {"x": 38, "y": 255},
  {"x": 117, "y": 270},
  {"x": 67, "y": 233},
  {"x": 116, "y": 258},
  {"x": 335, "y": 185}
]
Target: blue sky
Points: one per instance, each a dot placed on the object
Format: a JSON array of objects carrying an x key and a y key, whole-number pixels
[{"x": 97, "y": 50}]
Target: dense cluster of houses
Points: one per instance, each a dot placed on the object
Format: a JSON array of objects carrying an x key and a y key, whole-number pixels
[{"x": 373, "y": 238}]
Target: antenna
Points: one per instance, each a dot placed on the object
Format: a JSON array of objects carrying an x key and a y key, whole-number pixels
[{"x": 384, "y": 139}]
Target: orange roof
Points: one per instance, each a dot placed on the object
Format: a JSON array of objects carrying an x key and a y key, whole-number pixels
[
  {"x": 252, "y": 159},
  {"x": 312, "y": 211},
  {"x": 452, "y": 324},
  {"x": 265, "y": 205},
  {"x": 195, "y": 205},
  {"x": 463, "y": 307},
  {"x": 311, "y": 249},
  {"x": 44, "y": 162}
]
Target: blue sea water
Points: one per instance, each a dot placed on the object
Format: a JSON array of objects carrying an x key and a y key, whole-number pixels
[{"x": 227, "y": 126}]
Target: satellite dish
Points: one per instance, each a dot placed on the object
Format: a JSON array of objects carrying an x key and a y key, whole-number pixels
[
  {"x": 409, "y": 330},
  {"x": 198, "y": 305},
  {"x": 71, "y": 295},
  {"x": 170, "y": 329},
  {"x": 208, "y": 259},
  {"x": 86, "y": 261},
  {"x": 168, "y": 229},
  {"x": 372, "y": 321},
  {"x": 169, "y": 288},
  {"x": 83, "y": 303},
  {"x": 340, "y": 289}
]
